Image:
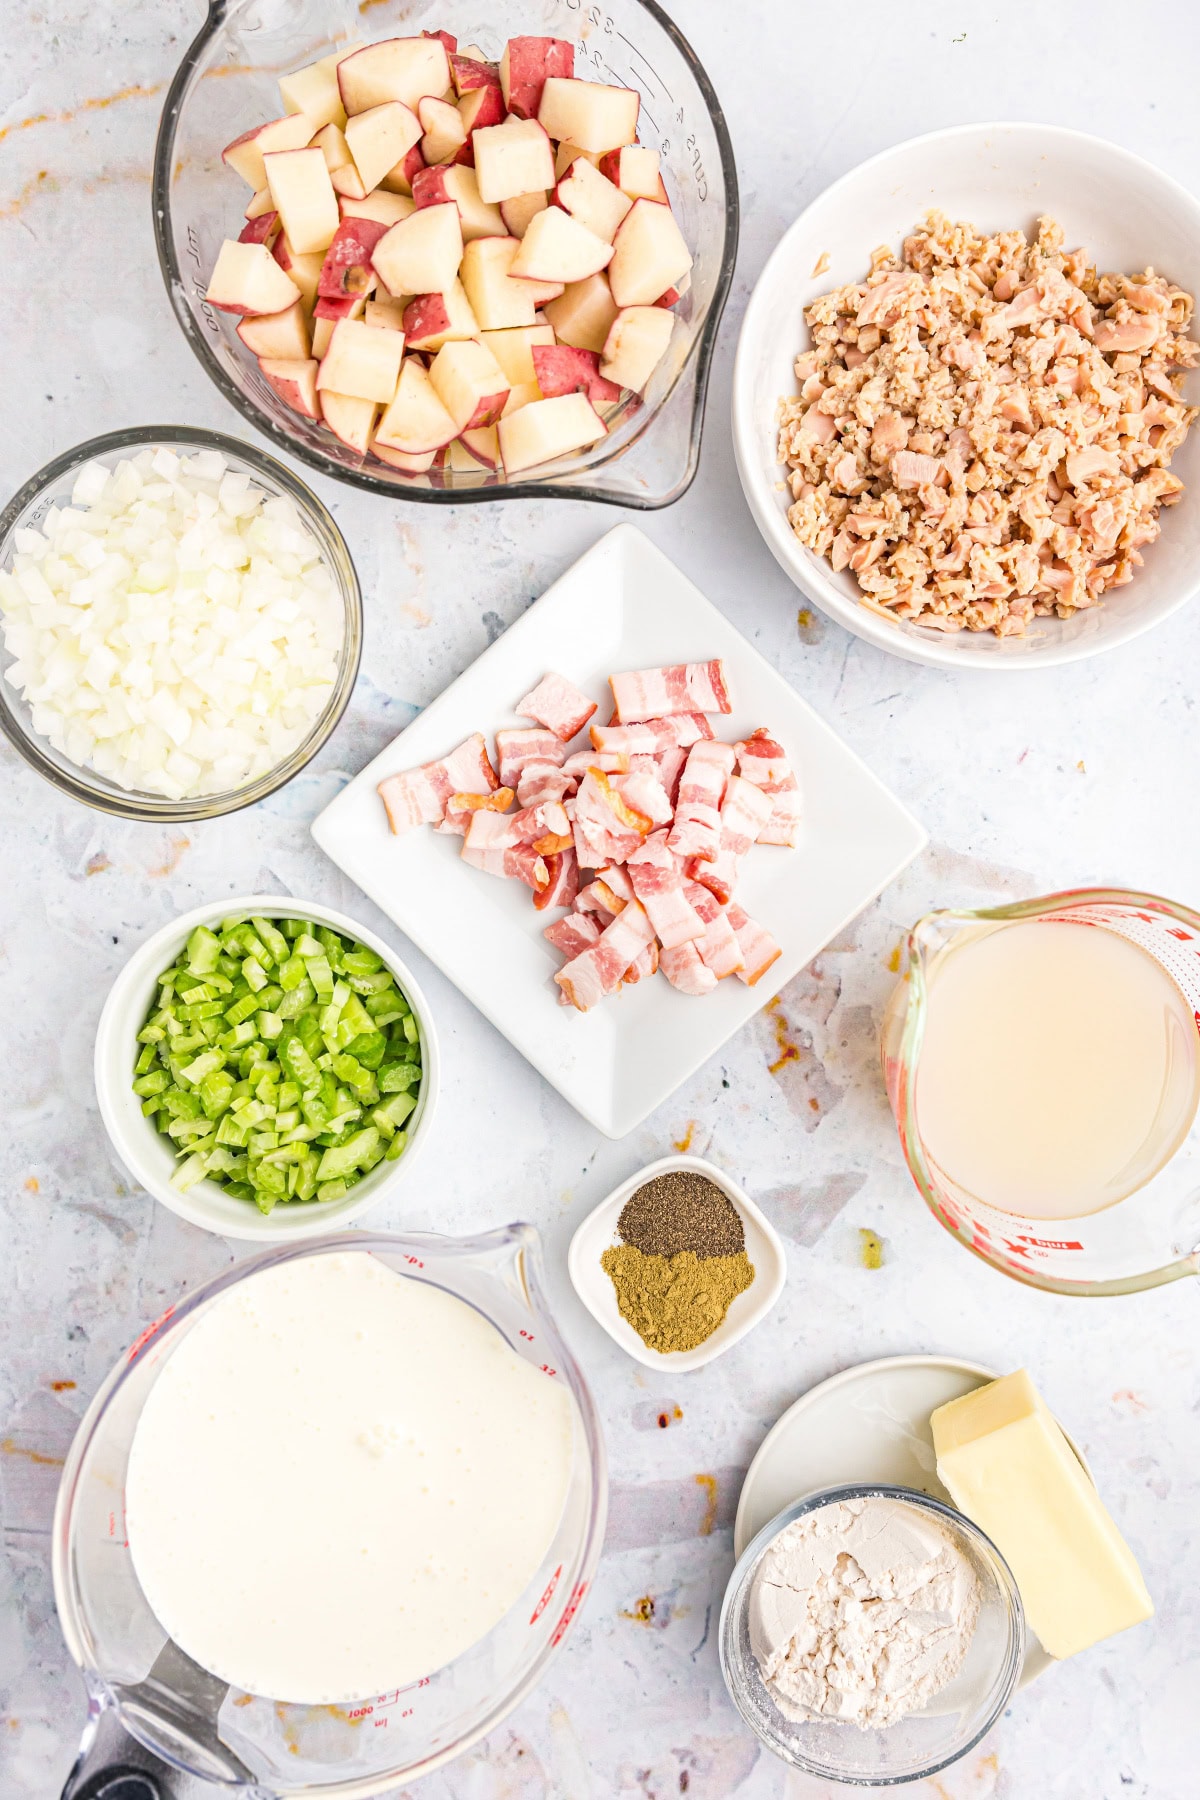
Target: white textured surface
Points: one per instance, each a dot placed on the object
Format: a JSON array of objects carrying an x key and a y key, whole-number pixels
[{"x": 1079, "y": 774}]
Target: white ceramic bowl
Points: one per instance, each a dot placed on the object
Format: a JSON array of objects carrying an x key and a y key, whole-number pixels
[
  {"x": 147, "y": 1154},
  {"x": 599, "y": 1231},
  {"x": 1127, "y": 214}
]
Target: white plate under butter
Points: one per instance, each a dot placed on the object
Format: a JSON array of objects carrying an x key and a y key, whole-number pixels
[
  {"x": 599, "y": 1231},
  {"x": 869, "y": 1423},
  {"x": 622, "y": 606}
]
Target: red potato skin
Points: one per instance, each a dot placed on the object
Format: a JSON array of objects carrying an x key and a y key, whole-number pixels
[
  {"x": 424, "y": 316},
  {"x": 487, "y": 412},
  {"x": 531, "y": 61},
  {"x": 429, "y": 187},
  {"x": 450, "y": 42},
  {"x": 411, "y": 165},
  {"x": 671, "y": 298},
  {"x": 289, "y": 392},
  {"x": 347, "y": 266},
  {"x": 482, "y": 106},
  {"x": 469, "y": 74},
  {"x": 262, "y": 230},
  {"x": 560, "y": 369},
  {"x": 339, "y": 306},
  {"x": 279, "y": 251}
]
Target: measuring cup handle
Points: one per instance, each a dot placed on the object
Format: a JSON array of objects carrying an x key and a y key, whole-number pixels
[{"x": 110, "y": 1764}]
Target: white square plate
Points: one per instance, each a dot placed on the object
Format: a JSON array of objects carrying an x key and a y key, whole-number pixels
[{"x": 622, "y": 606}]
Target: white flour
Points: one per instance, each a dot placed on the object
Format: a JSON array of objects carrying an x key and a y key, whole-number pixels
[{"x": 861, "y": 1611}]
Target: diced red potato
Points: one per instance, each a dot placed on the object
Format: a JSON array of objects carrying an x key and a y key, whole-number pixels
[
  {"x": 304, "y": 198},
  {"x": 415, "y": 420},
  {"x": 557, "y": 248},
  {"x": 421, "y": 255},
  {"x": 247, "y": 279},
  {"x": 245, "y": 154},
  {"x": 350, "y": 418},
  {"x": 499, "y": 302},
  {"x": 362, "y": 361},
  {"x": 559, "y": 705},
  {"x": 458, "y": 185},
  {"x": 305, "y": 271},
  {"x": 383, "y": 208},
  {"x": 332, "y": 308},
  {"x": 592, "y": 114},
  {"x": 640, "y": 694},
  {"x": 282, "y": 335},
  {"x": 406, "y": 463},
  {"x": 512, "y": 158},
  {"x": 388, "y": 315},
  {"x": 404, "y": 69},
  {"x": 559, "y": 369},
  {"x": 513, "y": 350},
  {"x": 380, "y": 138},
  {"x": 526, "y": 64},
  {"x": 431, "y": 320},
  {"x": 259, "y": 204},
  {"x": 636, "y": 344},
  {"x": 481, "y": 107},
  {"x": 592, "y": 199},
  {"x": 445, "y": 137},
  {"x": 400, "y": 179},
  {"x": 322, "y": 331},
  {"x": 295, "y": 381},
  {"x": 583, "y": 315},
  {"x": 469, "y": 383},
  {"x": 260, "y": 230},
  {"x": 470, "y": 73},
  {"x": 548, "y": 429},
  {"x": 347, "y": 265},
  {"x": 634, "y": 169},
  {"x": 518, "y": 212},
  {"x": 314, "y": 91},
  {"x": 649, "y": 254},
  {"x": 484, "y": 445}
]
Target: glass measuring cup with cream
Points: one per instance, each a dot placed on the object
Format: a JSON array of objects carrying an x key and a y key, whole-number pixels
[{"x": 1043, "y": 1065}]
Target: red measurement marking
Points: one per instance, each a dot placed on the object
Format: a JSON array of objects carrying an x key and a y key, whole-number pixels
[
  {"x": 414, "y": 1262},
  {"x": 527, "y": 1335},
  {"x": 1177, "y": 931},
  {"x": 544, "y": 1602},
  {"x": 572, "y": 1607},
  {"x": 141, "y": 1342},
  {"x": 360, "y": 1712},
  {"x": 547, "y": 1370},
  {"x": 1050, "y": 1243}
]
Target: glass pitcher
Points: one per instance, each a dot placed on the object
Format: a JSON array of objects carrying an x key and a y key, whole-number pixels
[
  {"x": 141, "y": 1686},
  {"x": 229, "y": 80},
  {"x": 1150, "y": 1237}
]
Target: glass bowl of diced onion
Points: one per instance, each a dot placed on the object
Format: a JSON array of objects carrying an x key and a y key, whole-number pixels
[{"x": 96, "y": 571}]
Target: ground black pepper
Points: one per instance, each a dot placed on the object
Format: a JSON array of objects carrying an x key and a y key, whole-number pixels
[{"x": 682, "y": 1211}]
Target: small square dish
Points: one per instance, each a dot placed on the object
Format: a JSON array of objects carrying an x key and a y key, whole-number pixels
[
  {"x": 599, "y": 1232},
  {"x": 622, "y": 606}
]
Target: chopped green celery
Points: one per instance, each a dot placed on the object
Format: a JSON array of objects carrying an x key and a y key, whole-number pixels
[
  {"x": 181, "y": 1105},
  {"x": 269, "y": 1025},
  {"x": 240, "y": 1190},
  {"x": 384, "y": 1016},
  {"x": 291, "y": 1179},
  {"x": 306, "y": 1177},
  {"x": 208, "y": 1064},
  {"x": 152, "y": 1106},
  {"x": 314, "y": 1110},
  {"x": 355, "y": 1014},
  {"x": 289, "y": 1094},
  {"x": 332, "y": 1011},
  {"x": 220, "y": 1161},
  {"x": 309, "y": 1032},
  {"x": 342, "y": 1161},
  {"x": 252, "y": 1057},
  {"x": 325, "y": 1061},
  {"x": 242, "y": 1034},
  {"x": 230, "y": 1132},
  {"x": 242, "y": 1009},
  {"x": 265, "y": 1202},
  {"x": 287, "y": 1119},
  {"x": 201, "y": 1009},
  {"x": 183, "y": 1130},
  {"x": 298, "y": 1134},
  {"x": 189, "y": 1173},
  {"x": 291, "y": 973},
  {"x": 342, "y": 1034},
  {"x": 320, "y": 973},
  {"x": 300, "y": 1065},
  {"x": 182, "y": 1047},
  {"x": 296, "y": 928},
  {"x": 255, "y": 974},
  {"x": 216, "y": 1092},
  {"x": 333, "y": 1190},
  {"x": 203, "y": 949},
  {"x": 411, "y": 1032},
  {"x": 361, "y": 961},
  {"x": 250, "y": 1112},
  {"x": 262, "y": 1141},
  {"x": 395, "y": 1110},
  {"x": 228, "y": 965},
  {"x": 154, "y": 1083},
  {"x": 339, "y": 1125},
  {"x": 274, "y": 940},
  {"x": 395, "y": 1077},
  {"x": 368, "y": 1048},
  {"x": 151, "y": 1035},
  {"x": 397, "y": 1147},
  {"x": 308, "y": 944},
  {"x": 360, "y": 1081},
  {"x": 279, "y": 1156},
  {"x": 267, "y": 1177}
]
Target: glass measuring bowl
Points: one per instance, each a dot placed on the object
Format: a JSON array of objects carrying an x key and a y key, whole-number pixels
[
  {"x": 137, "y": 1679},
  {"x": 1150, "y": 1237},
  {"x": 228, "y": 81}
]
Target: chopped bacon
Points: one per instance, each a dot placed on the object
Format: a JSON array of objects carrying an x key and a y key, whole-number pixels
[
  {"x": 757, "y": 945},
  {"x": 642, "y": 790},
  {"x": 541, "y": 781},
  {"x": 657, "y": 693},
  {"x": 684, "y": 970},
  {"x": 598, "y": 898},
  {"x": 670, "y": 770},
  {"x": 588, "y": 977},
  {"x": 650, "y": 736},
  {"x": 613, "y": 762},
  {"x": 616, "y": 879},
  {"x": 578, "y": 931},
  {"x": 697, "y": 827},
  {"x": 765, "y": 763},
  {"x": 419, "y": 796},
  {"x": 656, "y": 880},
  {"x": 744, "y": 812},
  {"x": 607, "y": 829},
  {"x": 563, "y": 886},
  {"x": 492, "y": 844},
  {"x": 719, "y": 948},
  {"x": 459, "y": 808},
  {"x": 558, "y": 704},
  {"x": 519, "y": 746},
  {"x": 645, "y": 963}
]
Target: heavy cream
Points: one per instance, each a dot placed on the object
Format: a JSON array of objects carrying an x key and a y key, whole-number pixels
[{"x": 341, "y": 1480}]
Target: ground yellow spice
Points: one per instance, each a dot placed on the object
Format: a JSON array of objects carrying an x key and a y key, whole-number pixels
[{"x": 675, "y": 1302}]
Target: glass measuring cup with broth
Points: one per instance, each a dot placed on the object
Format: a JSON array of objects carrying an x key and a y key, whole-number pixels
[{"x": 1043, "y": 1064}]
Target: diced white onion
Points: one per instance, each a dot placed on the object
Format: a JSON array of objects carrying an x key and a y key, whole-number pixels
[{"x": 175, "y": 627}]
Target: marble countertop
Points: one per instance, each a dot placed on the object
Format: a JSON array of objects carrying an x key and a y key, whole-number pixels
[{"x": 1072, "y": 776}]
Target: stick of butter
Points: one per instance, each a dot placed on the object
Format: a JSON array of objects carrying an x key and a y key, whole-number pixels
[{"x": 1008, "y": 1466}]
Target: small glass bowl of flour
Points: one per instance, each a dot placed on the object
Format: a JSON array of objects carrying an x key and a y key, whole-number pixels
[{"x": 871, "y": 1635}]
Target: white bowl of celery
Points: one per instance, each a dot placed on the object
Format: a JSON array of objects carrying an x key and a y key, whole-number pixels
[{"x": 266, "y": 1068}]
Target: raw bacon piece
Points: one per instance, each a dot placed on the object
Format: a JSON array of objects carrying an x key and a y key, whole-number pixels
[
  {"x": 491, "y": 844},
  {"x": 697, "y": 827},
  {"x": 563, "y": 886},
  {"x": 613, "y": 762},
  {"x": 642, "y": 790},
  {"x": 557, "y": 704},
  {"x": 546, "y": 827},
  {"x": 644, "y": 964},
  {"x": 764, "y": 762},
  {"x": 541, "y": 781},
  {"x": 684, "y": 970},
  {"x": 670, "y": 770},
  {"x": 459, "y": 808},
  {"x": 650, "y": 736},
  {"x": 607, "y": 829},
  {"x": 657, "y": 693},
  {"x": 744, "y": 812},
  {"x": 597, "y": 898},
  {"x": 419, "y": 796},
  {"x": 719, "y": 948},
  {"x": 758, "y": 947},
  {"x": 616, "y": 879},
  {"x": 654, "y": 875},
  {"x": 518, "y": 746},
  {"x": 578, "y": 931},
  {"x": 594, "y": 973}
]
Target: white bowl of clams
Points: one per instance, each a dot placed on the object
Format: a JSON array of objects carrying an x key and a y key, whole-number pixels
[{"x": 1005, "y": 493}]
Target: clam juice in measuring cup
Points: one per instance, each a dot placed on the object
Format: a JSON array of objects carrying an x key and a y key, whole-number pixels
[{"x": 1059, "y": 1070}]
